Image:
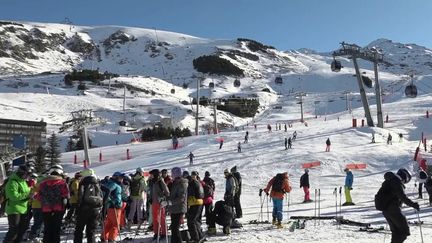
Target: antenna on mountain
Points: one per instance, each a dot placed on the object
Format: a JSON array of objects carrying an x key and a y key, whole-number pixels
[{"x": 68, "y": 22}]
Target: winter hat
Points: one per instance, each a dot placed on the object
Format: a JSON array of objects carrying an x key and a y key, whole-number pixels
[
  {"x": 118, "y": 174},
  {"x": 226, "y": 171},
  {"x": 139, "y": 170},
  {"x": 306, "y": 170},
  {"x": 164, "y": 171},
  {"x": 346, "y": 169},
  {"x": 87, "y": 172},
  {"x": 176, "y": 172},
  {"x": 207, "y": 174},
  {"x": 78, "y": 175},
  {"x": 185, "y": 173},
  {"x": 195, "y": 173},
  {"x": 155, "y": 172},
  {"x": 404, "y": 175},
  {"x": 234, "y": 169},
  {"x": 23, "y": 170}
]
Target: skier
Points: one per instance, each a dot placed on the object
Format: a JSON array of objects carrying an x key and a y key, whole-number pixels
[
  {"x": 138, "y": 186},
  {"x": 289, "y": 142},
  {"x": 280, "y": 127},
  {"x": 279, "y": 186},
  {"x": 209, "y": 188},
  {"x": 238, "y": 180},
  {"x": 294, "y": 136},
  {"x": 428, "y": 186},
  {"x": 178, "y": 199},
  {"x": 239, "y": 147},
  {"x": 222, "y": 215},
  {"x": 373, "y": 137},
  {"x": 191, "y": 156},
  {"x": 111, "y": 227},
  {"x": 400, "y": 137},
  {"x": 255, "y": 127},
  {"x": 285, "y": 126},
  {"x": 389, "y": 139},
  {"x": 328, "y": 143},
  {"x": 54, "y": 195},
  {"x": 175, "y": 142},
  {"x": 89, "y": 205},
  {"x": 73, "y": 188},
  {"x": 221, "y": 141},
  {"x": 195, "y": 207},
  {"x": 421, "y": 178},
  {"x": 389, "y": 199},
  {"x": 349, "y": 179},
  {"x": 246, "y": 137},
  {"x": 159, "y": 192},
  {"x": 17, "y": 194},
  {"x": 269, "y": 127},
  {"x": 286, "y": 143},
  {"x": 304, "y": 182}
]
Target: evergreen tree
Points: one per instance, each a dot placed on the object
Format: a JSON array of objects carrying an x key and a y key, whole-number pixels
[
  {"x": 53, "y": 150},
  {"x": 40, "y": 159}
]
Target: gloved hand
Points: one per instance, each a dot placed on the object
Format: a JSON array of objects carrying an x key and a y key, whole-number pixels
[
  {"x": 65, "y": 201},
  {"x": 416, "y": 206}
]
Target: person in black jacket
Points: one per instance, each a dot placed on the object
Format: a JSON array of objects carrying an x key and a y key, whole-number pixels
[
  {"x": 195, "y": 194},
  {"x": 304, "y": 182},
  {"x": 221, "y": 215},
  {"x": 237, "y": 205},
  {"x": 390, "y": 198}
]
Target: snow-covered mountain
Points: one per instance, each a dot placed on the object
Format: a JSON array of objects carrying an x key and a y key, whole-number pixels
[{"x": 157, "y": 67}]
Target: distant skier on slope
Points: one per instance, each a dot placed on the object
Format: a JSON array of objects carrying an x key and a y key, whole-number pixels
[
  {"x": 221, "y": 141},
  {"x": 286, "y": 143},
  {"x": 389, "y": 199},
  {"x": 191, "y": 156},
  {"x": 389, "y": 139},
  {"x": 294, "y": 135},
  {"x": 328, "y": 143},
  {"x": 246, "y": 137},
  {"x": 269, "y": 127},
  {"x": 239, "y": 147},
  {"x": 289, "y": 142}
]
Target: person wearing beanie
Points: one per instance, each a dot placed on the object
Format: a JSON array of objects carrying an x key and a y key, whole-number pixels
[
  {"x": 304, "y": 182},
  {"x": 178, "y": 199},
  {"x": 138, "y": 186},
  {"x": 185, "y": 174},
  {"x": 195, "y": 207},
  {"x": 53, "y": 195},
  {"x": 349, "y": 179},
  {"x": 209, "y": 188},
  {"x": 17, "y": 194}
]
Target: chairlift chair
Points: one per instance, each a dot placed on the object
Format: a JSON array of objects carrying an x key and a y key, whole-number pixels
[
  {"x": 211, "y": 85},
  {"x": 237, "y": 83},
  {"x": 411, "y": 91},
  {"x": 172, "y": 91},
  {"x": 336, "y": 65},
  {"x": 278, "y": 80}
]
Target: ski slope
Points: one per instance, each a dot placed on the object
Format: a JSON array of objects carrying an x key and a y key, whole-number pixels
[{"x": 265, "y": 155}]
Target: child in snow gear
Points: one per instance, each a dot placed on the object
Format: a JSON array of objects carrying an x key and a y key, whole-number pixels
[
  {"x": 221, "y": 215},
  {"x": 195, "y": 206},
  {"x": 328, "y": 143},
  {"x": 237, "y": 204},
  {"x": 191, "y": 156},
  {"x": 421, "y": 178},
  {"x": 111, "y": 228},
  {"x": 389, "y": 139},
  {"x": 89, "y": 205},
  {"x": 138, "y": 186},
  {"x": 209, "y": 188},
  {"x": 178, "y": 199},
  {"x": 159, "y": 193},
  {"x": 279, "y": 185},
  {"x": 389, "y": 199},
  {"x": 54, "y": 195},
  {"x": 36, "y": 211},
  {"x": 17, "y": 193},
  {"x": 304, "y": 182},
  {"x": 349, "y": 180}
]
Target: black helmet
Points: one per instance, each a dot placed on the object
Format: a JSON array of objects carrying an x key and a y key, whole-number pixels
[{"x": 404, "y": 175}]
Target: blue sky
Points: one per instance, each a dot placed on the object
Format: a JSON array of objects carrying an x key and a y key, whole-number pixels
[{"x": 285, "y": 24}]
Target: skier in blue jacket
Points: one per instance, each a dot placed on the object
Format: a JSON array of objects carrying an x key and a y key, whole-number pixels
[{"x": 349, "y": 179}]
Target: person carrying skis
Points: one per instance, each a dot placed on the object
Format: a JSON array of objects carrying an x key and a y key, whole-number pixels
[
  {"x": 89, "y": 205},
  {"x": 159, "y": 194},
  {"x": 191, "y": 156},
  {"x": 195, "y": 201},
  {"x": 221, "y": 215},
  {"x": 389, "y": 199},
  {"x": 209, "y": 188},
  {"x": 178, "y": 200},
  {"x": 53, "y": 195},
  {"x": 239, "y": 147},
  {"x": 294, "y": 136},
  {"x": 17, "y": 193},
  {"x": 389, "y": 139},
  {"x": 237, "y": 204},
  {"x": 328, "y": 143},
  {"x": 304, "y": 182},
  {"x": 138, "y": 186},
  {"x": 111, "y": 226},
  {"x": 349, "y": 180},
  {"x": 278, "y": 186}
]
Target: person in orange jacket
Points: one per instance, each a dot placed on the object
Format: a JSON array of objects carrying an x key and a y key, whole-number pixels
[{"x": 279, "y": 185}]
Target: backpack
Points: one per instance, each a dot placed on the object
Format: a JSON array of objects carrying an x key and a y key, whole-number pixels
[
  {"x": 92, "y": 196},
  {"x": 277, "y": 183},
  {"x": 423, "y": 175},
  {"x": 135, "y": 186},
  {"x": 383, "y": 198}
]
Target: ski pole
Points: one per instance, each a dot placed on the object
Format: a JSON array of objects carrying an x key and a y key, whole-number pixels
[
  {"x": 288, "y": 206},
  {"x": 159, "y": 217},
  {"x": 340, "y": 202},
  {"x": 419, "y": 222},
  {"x": 315, "y": 209},
  {"x": 319, "y": 205},
  {"x": 336, "y": 210},
  {"x": 267, "y": 200}
]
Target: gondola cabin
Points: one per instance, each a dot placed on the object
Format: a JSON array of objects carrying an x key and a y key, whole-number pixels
[
  {"x": 237, "y": 83},
  {"x": 211, "y": 85},
  {"x": 336, "y": 66},
  {"x": 411, "y": 91},
  {"x": 172, "y": 91}
]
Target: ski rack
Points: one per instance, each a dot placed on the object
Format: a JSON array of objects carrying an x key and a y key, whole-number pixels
[{"x": 316, "y": 217}]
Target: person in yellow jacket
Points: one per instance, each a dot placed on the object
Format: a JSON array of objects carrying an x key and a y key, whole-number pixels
[
  {"x": 195, "y": 207},
  {"x": 73, "y": 188}
]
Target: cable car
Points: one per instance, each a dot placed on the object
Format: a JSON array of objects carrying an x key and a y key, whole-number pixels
[
  {"x": 211, "y": 85},
  {"x": 172, "y": 91},
  {"x": 411, "y": 91},
  {"x": 237, "y": 83},
  {"x": 278, "y": 80},
  {"x": 336, "y": 66}
]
